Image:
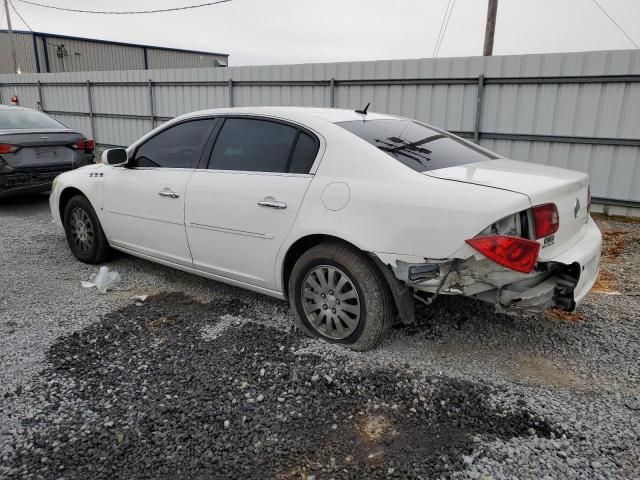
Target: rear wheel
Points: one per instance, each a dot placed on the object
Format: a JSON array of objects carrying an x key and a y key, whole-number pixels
[
  {"x": 337, "y": 294},
  {"x": 84, "y": 232}
]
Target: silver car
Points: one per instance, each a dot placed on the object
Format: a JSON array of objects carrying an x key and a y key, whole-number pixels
[{"x": 35, "y": 148}]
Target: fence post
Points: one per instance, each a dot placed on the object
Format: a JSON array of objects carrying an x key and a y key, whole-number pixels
[
  {"x": 479, "y": 99},
  {"x": 230, "y": 87},
  {"x": 40, "y": 101},
  {"x": 152, "y": 114},
  {"x": 91, "y": 119},
  {"x": 332, "y": 92}
]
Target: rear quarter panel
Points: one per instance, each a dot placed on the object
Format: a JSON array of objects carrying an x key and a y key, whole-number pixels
[{"x": 393, "y": 209}]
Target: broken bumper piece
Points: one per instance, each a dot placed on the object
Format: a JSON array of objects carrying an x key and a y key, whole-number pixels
[{"x": 561, "y": 282}]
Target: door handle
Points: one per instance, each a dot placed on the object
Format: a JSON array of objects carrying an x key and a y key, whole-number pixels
[
  {"x": 272, "y": 204},
  {"x": 169, "y": 194}
]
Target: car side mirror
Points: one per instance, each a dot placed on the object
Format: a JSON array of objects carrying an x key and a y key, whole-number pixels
[{"x": 115, "y": 156}]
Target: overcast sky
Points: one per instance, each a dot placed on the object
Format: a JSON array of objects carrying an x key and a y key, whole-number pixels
[{"x": 301, "y": 31}]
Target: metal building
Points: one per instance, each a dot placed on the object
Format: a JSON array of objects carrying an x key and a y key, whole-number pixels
[{"x": 39, "y": 52}]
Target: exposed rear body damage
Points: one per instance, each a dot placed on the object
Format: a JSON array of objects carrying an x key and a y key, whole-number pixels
[
  {"x": 555, "y": 284},
  {"x": 566, "y": 266}
]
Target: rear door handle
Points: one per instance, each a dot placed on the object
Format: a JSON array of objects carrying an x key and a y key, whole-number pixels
[
  {"x": 272, "y": 204},
  {"x": 169, "y": 194}
]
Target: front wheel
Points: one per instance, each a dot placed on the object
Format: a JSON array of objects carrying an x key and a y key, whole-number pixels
[
  {"x": 84, "y": 232},
  {"x": 339, "y": 295}
]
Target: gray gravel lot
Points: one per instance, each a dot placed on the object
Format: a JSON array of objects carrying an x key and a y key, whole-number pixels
[{"x": 208, "y": 381}]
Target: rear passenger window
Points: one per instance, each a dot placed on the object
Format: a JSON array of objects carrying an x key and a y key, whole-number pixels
[
  {"x": 252, "y": 145},
  {"x": 176, "y": 147},
  {"x": 304, "y": 154}
]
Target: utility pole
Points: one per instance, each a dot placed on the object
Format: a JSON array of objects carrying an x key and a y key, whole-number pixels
[
  {"x": 490, "y": 31},
  {"x": 13, "y": 45}
]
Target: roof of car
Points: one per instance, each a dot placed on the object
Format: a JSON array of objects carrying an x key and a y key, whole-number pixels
[{"x": 333, "y": 115}]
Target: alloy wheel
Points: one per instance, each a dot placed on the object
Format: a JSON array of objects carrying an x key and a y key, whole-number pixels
[{"x": 81, "y": 228}]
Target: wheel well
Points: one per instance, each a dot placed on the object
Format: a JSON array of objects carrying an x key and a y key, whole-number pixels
[
  {"x": 299, "y": 247},
  {"x": 302, "y": 245},
  {"x": 402, "y": 295},
  {"x": 66, "y": 195}
]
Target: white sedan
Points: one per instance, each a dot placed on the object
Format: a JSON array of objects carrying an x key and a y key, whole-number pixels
[{"x": 351, "y": 216}]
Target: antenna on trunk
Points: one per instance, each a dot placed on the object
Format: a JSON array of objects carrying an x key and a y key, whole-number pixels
[{"x": 364, "y": 110}]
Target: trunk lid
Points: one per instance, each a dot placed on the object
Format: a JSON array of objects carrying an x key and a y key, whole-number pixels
[
  {"x": 40, "y": 149},
  {"x": 568, "y": 189}
]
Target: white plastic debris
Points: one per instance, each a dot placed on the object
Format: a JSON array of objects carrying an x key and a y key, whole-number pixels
[
  {"x": 140, "y": 298},
  {"x": 103, "y": 280}
]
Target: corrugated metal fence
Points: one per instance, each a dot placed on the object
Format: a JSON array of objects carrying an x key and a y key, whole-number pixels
[{"x": 573, "y": 110}]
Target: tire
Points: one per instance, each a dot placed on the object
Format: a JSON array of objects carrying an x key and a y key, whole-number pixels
[
  {"x": 81, "y": 223},
  {"x": 356, "y": 310}
]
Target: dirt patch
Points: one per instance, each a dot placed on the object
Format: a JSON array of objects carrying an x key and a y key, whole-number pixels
[
  {"x": 297, "y": 472},
  {"x": 557, "y": 314},
  {"x": 605, "y": 283},
  {"x": 374, "y": 427},
  {"x": 540, "y": 370},
  {"x": 154, "y": 324},
  {"x": 526, "y": 368},
  {"x": 373, "y": 435},
  {"x": 601, "y": 217},
  {"x": 613, "y": 244}
]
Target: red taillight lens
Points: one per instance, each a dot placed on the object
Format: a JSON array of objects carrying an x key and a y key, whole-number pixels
[
  {"x": 515, "y": 253},
  {"x": 7, "y": 148},
  {"x": 86, "y": 145},
  {"x": 545, "y": 219}
]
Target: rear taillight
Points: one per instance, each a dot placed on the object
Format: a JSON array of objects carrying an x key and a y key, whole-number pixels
[
  {"x": 515, "y": 253},
  {"x": 546, "y": 220},
  {"x": 86, "y": 145},
  {"x": 8, "y": 148}
]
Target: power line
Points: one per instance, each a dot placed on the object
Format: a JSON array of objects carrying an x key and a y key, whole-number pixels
[
  {"x": 174, "y": 9},
  {"x": 444, "y": 31},
  {"x": 616, "y": 24},
  {"x": 20, "y": 16},
  {"x": 444, "y": 18}
]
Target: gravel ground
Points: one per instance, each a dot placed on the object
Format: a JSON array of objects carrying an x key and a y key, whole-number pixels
[{"x": 203, "y": 380}]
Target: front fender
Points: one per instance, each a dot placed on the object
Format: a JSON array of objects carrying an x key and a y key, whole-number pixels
[{"x": 87, "y": 181}]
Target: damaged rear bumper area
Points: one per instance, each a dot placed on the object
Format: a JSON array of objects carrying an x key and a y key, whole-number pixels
[
  {"x": 561, "y": 282},
  {"x": 29, "y": 180}
]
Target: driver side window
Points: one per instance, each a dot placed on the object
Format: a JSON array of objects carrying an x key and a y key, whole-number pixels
[{"x": 176, "y": 147}]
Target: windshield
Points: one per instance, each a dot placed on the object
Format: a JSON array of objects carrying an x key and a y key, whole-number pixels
[
  {"x": 416, "y": 145},
  {"x": 18, "y": 118}
]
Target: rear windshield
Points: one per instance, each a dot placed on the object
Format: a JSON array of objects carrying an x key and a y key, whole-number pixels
[
  {"x": 26, "y": 119},
  {"x": 416, "y": 145}
]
